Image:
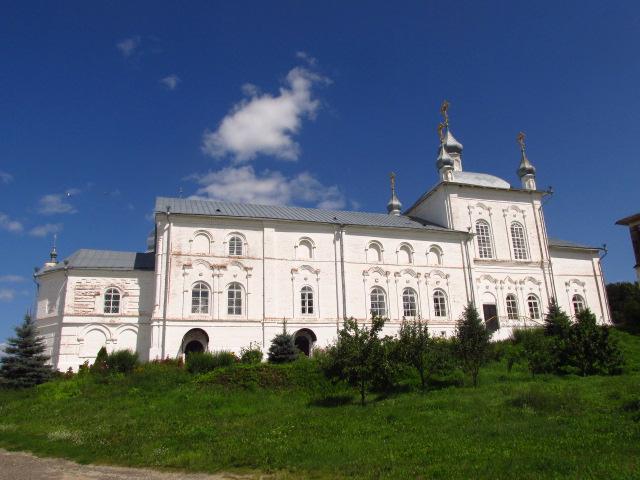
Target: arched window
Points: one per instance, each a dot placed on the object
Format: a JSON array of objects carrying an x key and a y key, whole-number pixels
[
  {"x": 483, "y": 239},
  {"x": 374, "y": 253},
  {"x": 405, "y": 255},
  {"x": 512, "y": 307},
  {"x": 519, "y": 242},
  {"x": 534, "y": 307},
  {"x": 200, "y": 298},
  {"x": 235, "y": 246},
  {"x": 306, "y": 300},
  {"x": 578, "y": 304},
  {"x": 112, "y": 300},
  {"x": 201, "y": 243},
  {"x": 434, "y": 256},
  {"x": 234, "y": 299},
  {"x": 409, "y": 304},
  {"x": 378, "y": 302},
  {"x": 305, "y": 249},
  {"x": 439, "y": 303}
]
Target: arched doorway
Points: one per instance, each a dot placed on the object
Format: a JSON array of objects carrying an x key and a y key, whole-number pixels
[
  {"x": 304, "y": 340},
  {"x": 490, "y": 312},
  {"x": 195, "y": 340}
]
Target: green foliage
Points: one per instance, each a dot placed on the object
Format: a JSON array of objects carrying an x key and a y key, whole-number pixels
[
  {"x": 99, "y": 365},
  {"x": 624, "y": 300},
  {"x": 472, "y": 342},
  {"x": 282, "y": 349},
  {"x": 441, "y": 357},
  {"x": 592, "y": 351},
  {"x": 359, "y": 357},
  {"x": 535, "y": 349},
  {"x": 122, "y": 361},
  {"x": 556, "y": 321},
  {"x": 251, "y": 354},
  {"x": 24, "y": 364},
  {"x": 203, "y": 362},
  {"x": 413, "y": 346}
]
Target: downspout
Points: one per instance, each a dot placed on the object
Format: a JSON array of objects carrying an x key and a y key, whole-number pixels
[
  {"x": 335, "y": 268},
  {"x": 469, "y": 269},
  {"x": 541, "y": 228},
  {"x": 264, "y": 274},
  {"x": 166, "y": 284},
  {"x": 344, "y": 297},
  {"x": 606, "y": 297}
]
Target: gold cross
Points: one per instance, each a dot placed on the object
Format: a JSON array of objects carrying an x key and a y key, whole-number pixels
[
  {"x": 444, "y": 109},
  {"x": 521, "y": 136}
]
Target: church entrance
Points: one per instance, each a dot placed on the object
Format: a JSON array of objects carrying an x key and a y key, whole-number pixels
[
  {"x": 304, "y": 340},
  {"x": 490, "y": 312},
  {"x": 195, "y": 340}
]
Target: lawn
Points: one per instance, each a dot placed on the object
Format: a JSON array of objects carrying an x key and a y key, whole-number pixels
[{"x": 289, "y": 421}]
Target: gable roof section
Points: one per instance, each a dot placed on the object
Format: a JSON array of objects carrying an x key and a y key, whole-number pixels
[
  {"x": 216, "y": 208},
  {"x": 556, "y": 242},
  {"x": 105, "y": 260}
]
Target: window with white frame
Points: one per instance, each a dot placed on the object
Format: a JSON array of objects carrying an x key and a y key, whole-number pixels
[
  {"x": 112, "y": 300},
  {"x": 409, "y": 304},
  {"x": 519, "y": 242},
  {"x": 534, "y": 307},
  {"x": 306, "y": 300},
  {"x": 578, "y": 304},
  {"x": 235, "y": 246},
  {"x": 483, "y": 239},
  {"x": 234, "y": 299},
  {"x": 439, "y": 303},
  {"x": 200, "y": 298},
  {"x": 512, "y": 307},
  {"x": 378, "y": 302}
]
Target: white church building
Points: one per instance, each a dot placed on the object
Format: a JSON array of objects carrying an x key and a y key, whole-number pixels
[{"x": 220, "y": 275}]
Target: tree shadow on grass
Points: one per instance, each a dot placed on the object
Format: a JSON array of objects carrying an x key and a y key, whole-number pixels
[{"x": 332, "y": 401}]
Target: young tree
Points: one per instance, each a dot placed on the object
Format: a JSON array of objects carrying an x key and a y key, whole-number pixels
[
  {"x": 282, "y": 349},
  {"x": 413, "y": 346},
  {"x": 591, "y": 350},
  {"x": 24, "y": 364},
  {"x": 624, "y": 298},
  {"x": 358, "y": 356},
  {"x": 556, "y": 322},
  {"x": 472, "y": 342}
]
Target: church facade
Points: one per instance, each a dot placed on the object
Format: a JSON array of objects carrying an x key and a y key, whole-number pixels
[{"x": 221, "y": 276}]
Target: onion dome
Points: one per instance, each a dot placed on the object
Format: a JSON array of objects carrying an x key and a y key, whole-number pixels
[
  {"x": 451, "y": 144},
  {"x": 444, "y": 159},
  {"x": 525, "y": 167},
  {"x": 394, "y": 207}
]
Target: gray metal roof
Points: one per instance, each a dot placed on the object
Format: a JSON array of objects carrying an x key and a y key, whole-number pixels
[
  {"x": 556, "y": 242},
  {"x": 276, "y": 212},
  {"x": 105, "y": 259},
  {"x": 480, "y": 179}
]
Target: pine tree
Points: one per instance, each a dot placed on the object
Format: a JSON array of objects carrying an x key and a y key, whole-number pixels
[
  {"x": 282, "y": 349},
  {"x": 556, "y": 322},
  {"x": 24, "y": 364},
  {"x": 472, "y": 342}
]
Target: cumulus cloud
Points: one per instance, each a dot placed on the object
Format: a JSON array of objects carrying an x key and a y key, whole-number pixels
[
  {"x": 7, "y": 294},
  {"x": 128, "y": 46},
  {"x": 170, "y": 81},
  {"x": 54, "y": 203},
  {"x": 244, "y": 185},
  {"x": 264, "y": 123},
  {"x": 304, "y": 56},
  {"x": 6, "y": 223},
  {"x": 45, "y": 229},
  {"x": 5, "y": 177},
  {"x": 11, "y": 278}
]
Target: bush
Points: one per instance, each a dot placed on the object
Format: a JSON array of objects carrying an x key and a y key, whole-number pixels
[
  {"x": 100, "y": 363},
  {"x": 624, "y": 298},
  {"x": 441, "y": 358},
  {"x": 472, "y": 342},
  {"x": 203, "y": 362},
  {"x": 251, "y": 354},
  {"x": 282, "y": 349},
  {"x": 413, "y": 346},
  {"x": 536, "y": 349},
  {"x": 121, "y": 361},
  {"x": 591, "y": 350}
]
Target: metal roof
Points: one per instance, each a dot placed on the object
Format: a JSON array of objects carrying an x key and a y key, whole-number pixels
[
  {"x": 629, "y": 220},
  {"x": 480, "y": 179},
  {"x": 216, "y": 208},
  {"x": 556, "y": 242},
  {"x": 105, "y": 259}
]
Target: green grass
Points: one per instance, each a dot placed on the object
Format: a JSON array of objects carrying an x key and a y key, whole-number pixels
[{"x": 288, "y": 420}]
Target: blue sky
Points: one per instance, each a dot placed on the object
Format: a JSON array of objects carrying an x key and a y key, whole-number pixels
[{"x": 105, "y": 105}]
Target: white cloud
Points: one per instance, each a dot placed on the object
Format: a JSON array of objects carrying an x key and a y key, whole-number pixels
[
  {"x": 11, "y": 278},
  {"x": 57, "y": 203},
  {"x": 264, "y": 123},
  {"x": 170, "y": 81},
  {"x": 5, "y": 177},
  {"x": 45, "y": 229},
  {"x": 7, "y": 294},
  {"x": 9, "y": 225},
  {"x": 242, "y": 184},
  {"x": 128, "y": 46},
  {"x": 312, "y": 61}
]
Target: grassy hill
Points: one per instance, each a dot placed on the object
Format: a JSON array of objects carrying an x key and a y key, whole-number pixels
[{"x": 289, "y": 420}]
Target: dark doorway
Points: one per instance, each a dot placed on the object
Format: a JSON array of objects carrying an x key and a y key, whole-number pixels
[
  {"x": 193, "y": 346},
  {"x": 490, "y": 312},
  {"x": 302, "y": 342}
]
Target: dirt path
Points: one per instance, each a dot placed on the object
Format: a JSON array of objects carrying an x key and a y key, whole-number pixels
[{"x": 24, "y": 466}]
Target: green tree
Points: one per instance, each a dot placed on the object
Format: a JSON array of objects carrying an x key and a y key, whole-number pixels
[
  {"x": 24, "y": 364},
  {"x": 624, "y": 300},
  {"x": 282, "y": 349},
  {"x": 472, "y": 342},
  {"x": 556, "y": 322},
  {"x": 413, "y": 346},
  {"x": 100, "y": 363},
  {"x": 591, "y": 350}
]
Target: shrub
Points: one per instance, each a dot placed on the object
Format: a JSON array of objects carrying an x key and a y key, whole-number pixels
[
  {"x": 121, "y": 361},
  {"x": 624, "y": 298},
  {"x": 203, "y": 362},
  {"x": 472, "y": 342},
  {"x": 441, "y": 358},
  {"x": 282, "y": 349},
  {"x": 413, "y": 346},
  {"x": 251, "y": 354},
  {"x": 536, "y": 349},
  {"x": 591, "y": 350}
]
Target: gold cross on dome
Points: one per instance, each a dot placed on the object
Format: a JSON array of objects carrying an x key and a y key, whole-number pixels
[
  {"x": 392, "y": 176},
  {"x": 444, "y": 109},
  {"x": 521, "y": 136}
]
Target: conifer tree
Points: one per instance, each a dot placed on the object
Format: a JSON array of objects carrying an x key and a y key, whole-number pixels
[
  {"x": 24, "y": 364},
  {"x": 472, "y": 342},
  {"x": 556, "y": 322},
  {"x": 282, "y": 349}
]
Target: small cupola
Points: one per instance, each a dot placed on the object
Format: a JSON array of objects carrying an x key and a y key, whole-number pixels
[
  {"x": 444, "y": 162},
  {"x": 526, "y": 171},
  {"x": 394, "y": 207},
  {"x": 451, "y": 145},
  {"x": 53, "y": 254}
]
